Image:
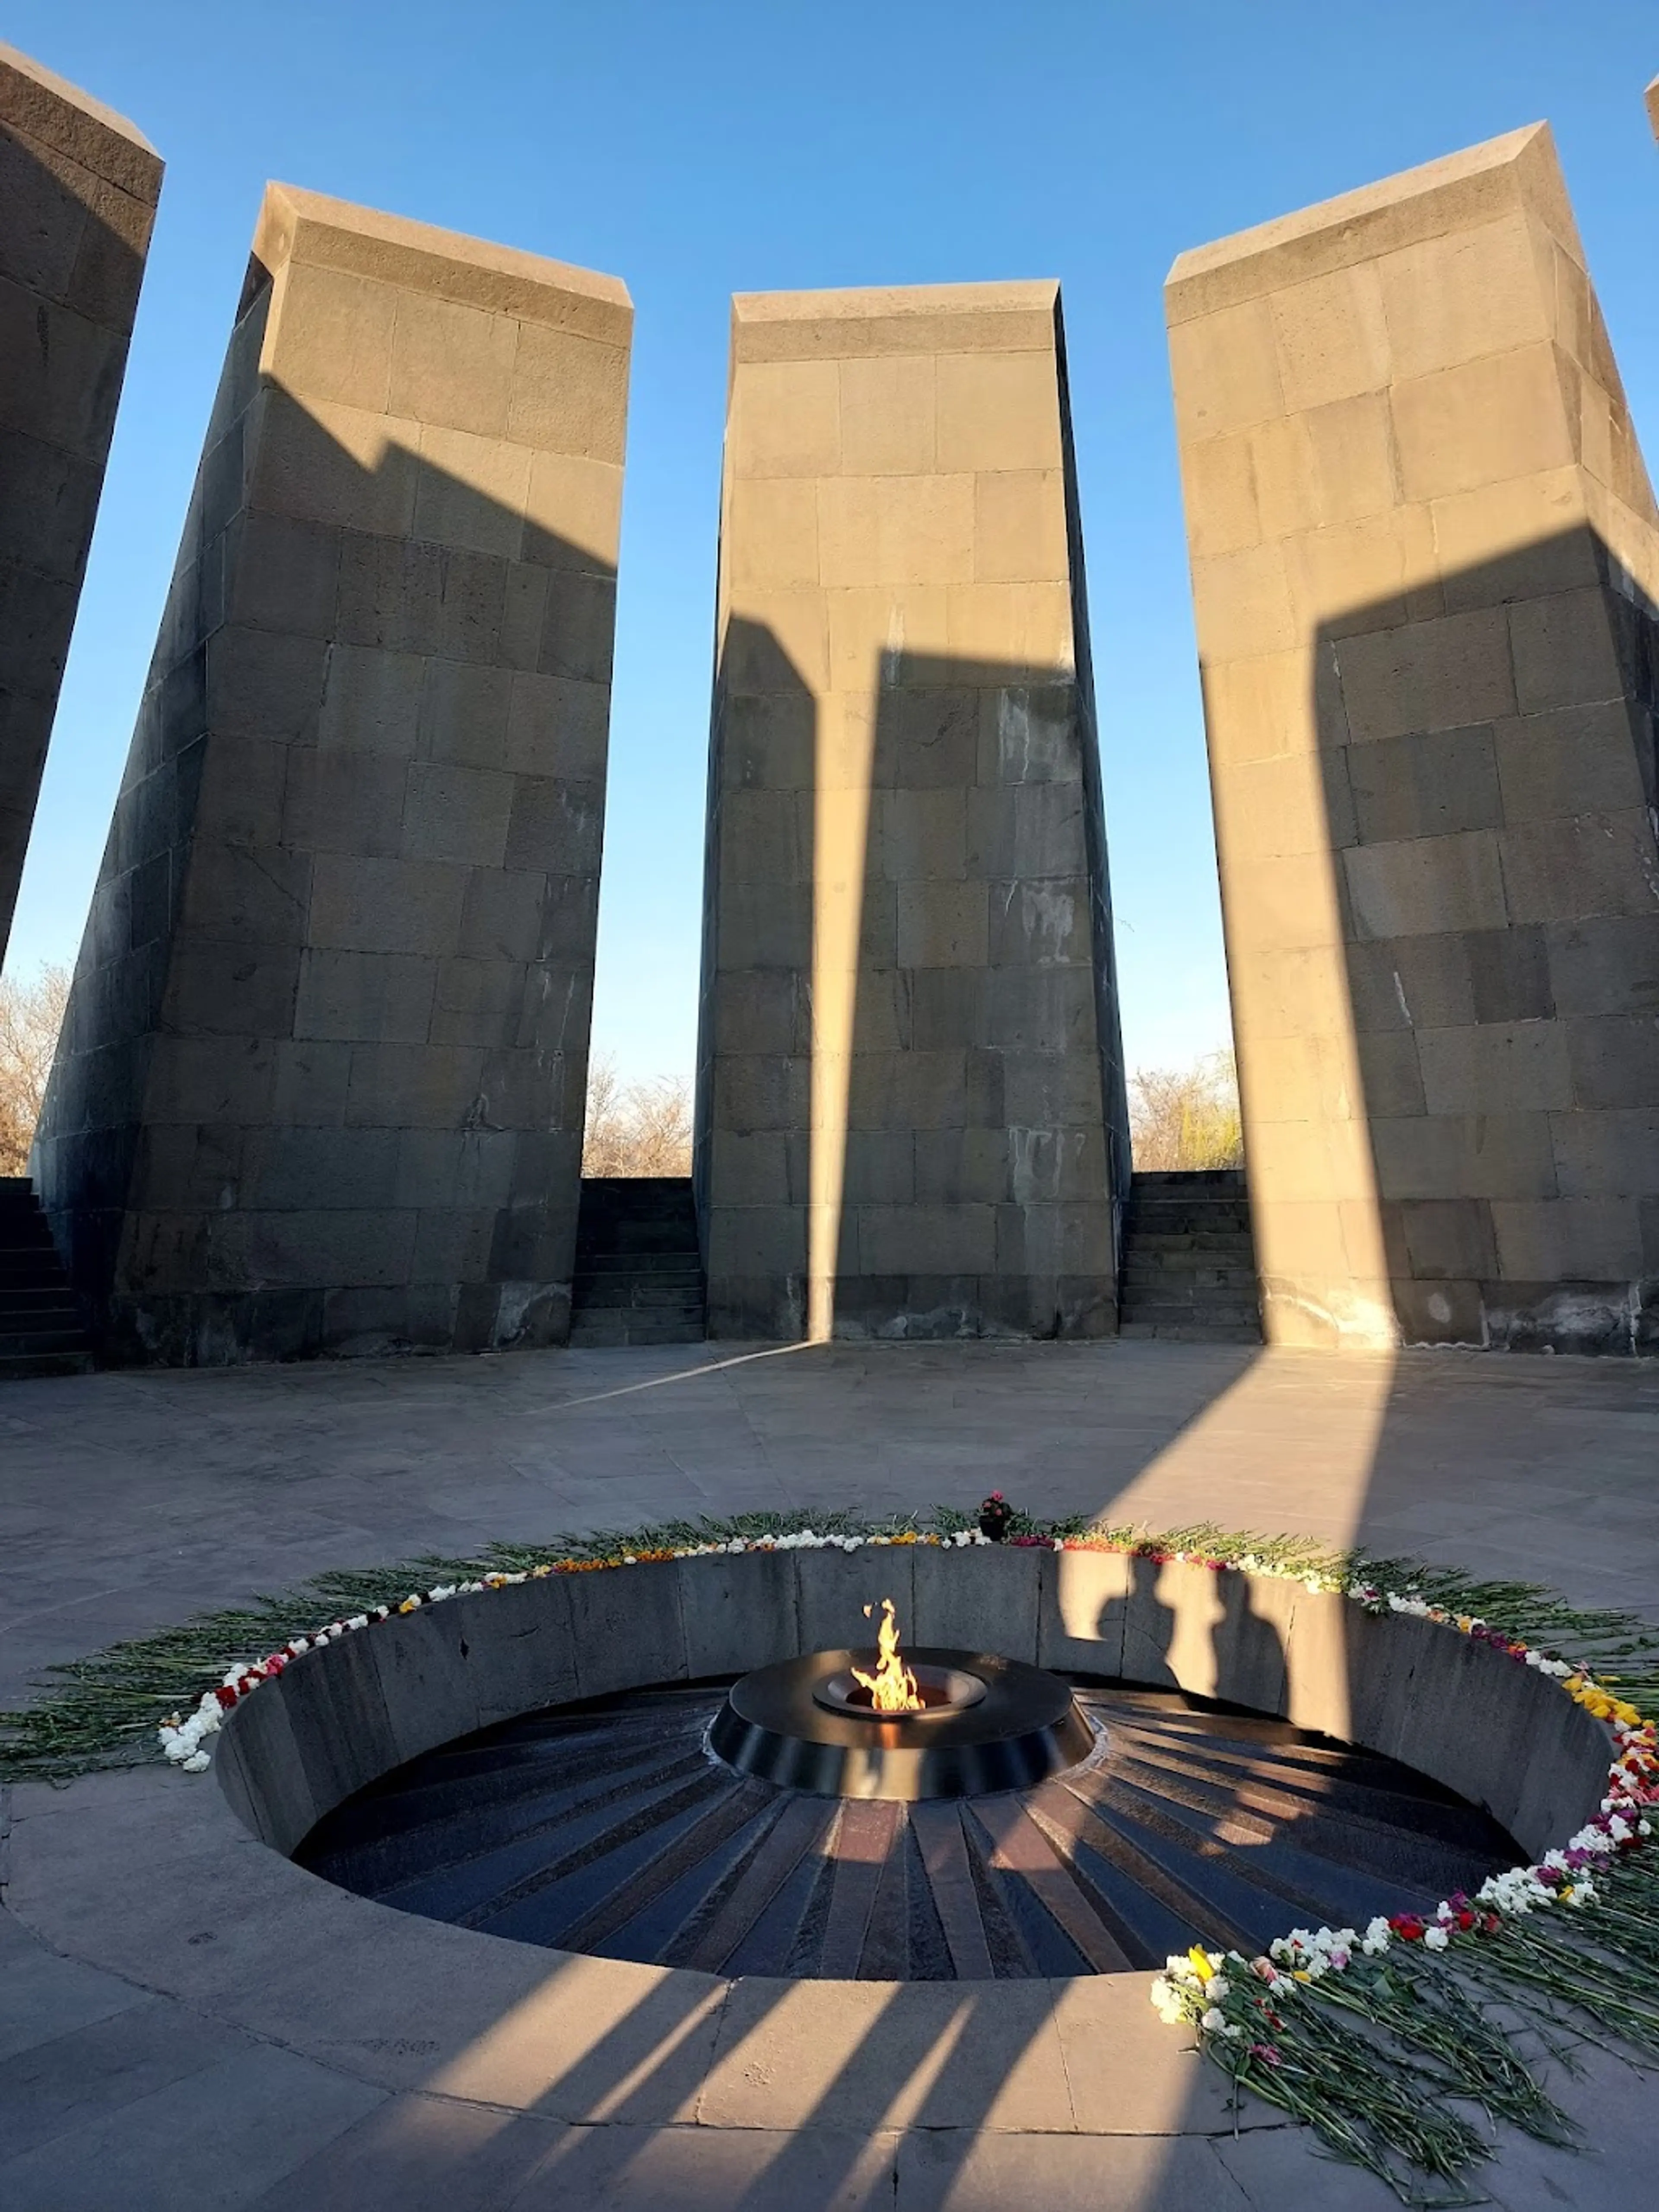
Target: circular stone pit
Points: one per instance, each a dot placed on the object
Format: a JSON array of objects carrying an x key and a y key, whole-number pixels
[{"x": 616, "y": 1642}]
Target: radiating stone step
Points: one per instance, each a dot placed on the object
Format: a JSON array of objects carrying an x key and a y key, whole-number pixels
[{"x": 608, "y": 1827}]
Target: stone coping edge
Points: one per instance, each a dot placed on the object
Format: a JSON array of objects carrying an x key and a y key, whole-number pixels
[{"x": 1456, "y": 1707}]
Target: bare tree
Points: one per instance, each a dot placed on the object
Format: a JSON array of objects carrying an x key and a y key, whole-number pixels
[
  {"x": 641, "y": 1128},
  {"x": 1186, "y": 1117},
  {"x": 31, "y": 1015}
]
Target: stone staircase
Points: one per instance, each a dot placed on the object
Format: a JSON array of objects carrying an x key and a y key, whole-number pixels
[
  {"x": 41, "y": 1330},
  {"x": 639, "y": 1273},
  {"x": 1189, "y": 1259}
]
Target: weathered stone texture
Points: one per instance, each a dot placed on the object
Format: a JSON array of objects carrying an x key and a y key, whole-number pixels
[
  {"x": 1425, "y": 559},
  {"x": 321, "y": 1082},
  {"x": 910, "y": 1116},
  {"x": 78, "y": 188}
]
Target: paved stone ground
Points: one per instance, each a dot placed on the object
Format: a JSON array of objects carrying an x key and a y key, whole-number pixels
[{"x": 187, "y": 2022}]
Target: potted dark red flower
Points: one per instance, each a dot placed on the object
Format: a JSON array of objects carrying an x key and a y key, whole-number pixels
[{"x": 994, "y": 1514}]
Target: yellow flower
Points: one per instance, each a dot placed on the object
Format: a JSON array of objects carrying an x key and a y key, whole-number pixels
[{"x": 1201, "y": 1959}]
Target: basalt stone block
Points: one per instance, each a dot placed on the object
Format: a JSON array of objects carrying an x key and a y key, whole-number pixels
[
  {"x": 532, "y": 1646},
  {"x": 78, "y": 189},
  {"x": 835, "y": 1587},
  {"x": 1083, "y": 1603},
  {"x": 628, "y": 1627},
  {"x": 740, "y": 1612},
  {"x": 267, "y": 1781},
  {"x": 342, "y": 1729},
  {"x": 357, "y": 848},
  {"x": 1424, "y": 556},
  {"x": 906, "y": 835},
  {"x": 1229, "y": 1628},
  {"x": 1496, "y": 1731},
  {"x": 978, "y": 1598},
  {"x": 427, "y": 1691}
]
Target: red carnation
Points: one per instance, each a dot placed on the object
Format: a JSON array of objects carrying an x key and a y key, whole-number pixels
[{"x": 226, "y": 1696}]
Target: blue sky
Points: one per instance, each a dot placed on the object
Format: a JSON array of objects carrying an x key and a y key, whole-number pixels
[{"x": 697, "y": 147}]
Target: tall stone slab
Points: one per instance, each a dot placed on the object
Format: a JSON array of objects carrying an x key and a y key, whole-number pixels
[
  {"x": 911, "y": 1115},
  {"x": 321, "y": 1084},
  {"x": 1424, "y": 561},
  {"x": 78, "y": 188}
]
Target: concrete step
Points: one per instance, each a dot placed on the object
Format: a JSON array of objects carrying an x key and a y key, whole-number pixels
[
  {"x": 1212, "y": 1267},
  {"x": 642, "y": 1299},
  {"x": 1174, "y": 1313},
  {"x": 31, "y": 1342},
  {"x": 1178, "y": 1178},
  {"x": 686, "y": 1260},
  {"x": 41, "y": 1328},
  {"x": 1186, "y": 1221},
  {"x": 597, "y": 1331},
  {"x": 29, "y": 1366},
  {"x": 34, "y": 1299},
  {"x": 639, "y": 1273},
  {"x": 1183, "y": 1259},
  {"x": 1189, "y": 1259},
  {"x": 15, "y": 1243},
  {"x": 1183, "y": 1332}
]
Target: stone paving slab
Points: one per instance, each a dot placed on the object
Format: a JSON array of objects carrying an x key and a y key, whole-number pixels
[
  {"x": 187, "y": 2020},
  {"x": 201, "y": 1487}
]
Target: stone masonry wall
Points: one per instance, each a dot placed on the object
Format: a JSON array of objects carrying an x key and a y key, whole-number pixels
[
  {"x": 1423, "y": 561},
  {"x": 78, "y": 188},
  {"x": 320, "y": 1087},
  {"x": 910, "y": 1116}
]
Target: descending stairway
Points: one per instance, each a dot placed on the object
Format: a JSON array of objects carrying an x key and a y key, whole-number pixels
[
  {"x": 1189, "y": 1259},
  {"x": 609, "y": 1828},
  {"x": 639, "y": 1273},
  {"x": 42, "y": 1332}
]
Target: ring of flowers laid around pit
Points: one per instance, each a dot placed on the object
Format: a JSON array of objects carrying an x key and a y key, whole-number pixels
[
  {"x": 184, "y": 1737},
  {"x": 1282, "y": 2025}
]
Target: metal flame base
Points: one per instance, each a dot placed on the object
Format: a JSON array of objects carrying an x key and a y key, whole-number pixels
[{"x": 991, "y": 1724}]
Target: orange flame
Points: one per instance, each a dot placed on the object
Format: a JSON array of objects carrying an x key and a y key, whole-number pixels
[{"x": 892, "y": 1687}]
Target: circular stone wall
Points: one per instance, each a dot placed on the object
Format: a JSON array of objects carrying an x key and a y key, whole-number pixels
[{"x": 1497, "y": 1735}]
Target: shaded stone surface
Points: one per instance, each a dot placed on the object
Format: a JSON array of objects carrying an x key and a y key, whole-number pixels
[
  {"x": 320, "y": 1084},
  {"x": 911, "y": 1116},
  {"x": 605, "y": 1828},
  {"x": 1424, "y": 560},
  {"x": 78, "y": 188}
]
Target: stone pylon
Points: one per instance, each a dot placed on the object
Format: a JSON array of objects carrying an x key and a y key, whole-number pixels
[
  {"x": 78, "y": 188},
  {"x": 321, "y": 1084},
  {"x": 911, "y": 1113},
  {"x": 1423, "y": 559}
]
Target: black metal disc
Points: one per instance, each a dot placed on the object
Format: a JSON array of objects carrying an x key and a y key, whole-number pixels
[
  {"x": 1024, "y": 1727},
  {"x": 941, "y": 1689}
]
